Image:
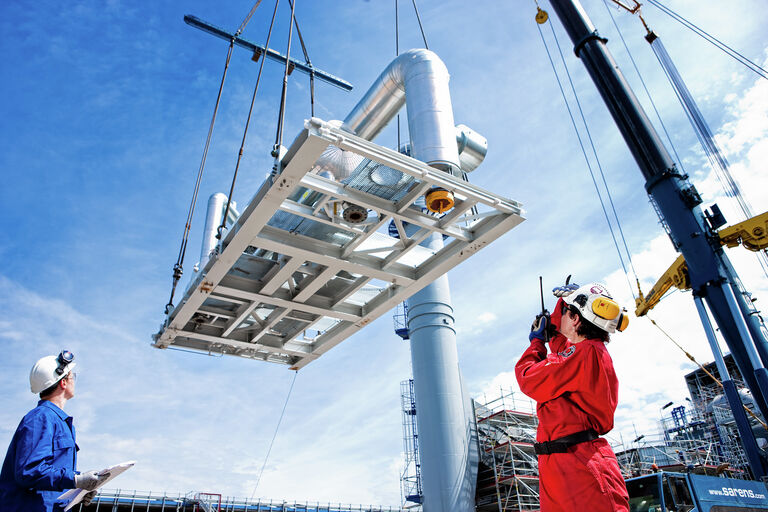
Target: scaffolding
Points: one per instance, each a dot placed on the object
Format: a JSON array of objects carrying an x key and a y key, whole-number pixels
[
  {"x": 700, "y": 437},
  {"x": 410, "y": 479},
  {"x": 508, "y": 479}
]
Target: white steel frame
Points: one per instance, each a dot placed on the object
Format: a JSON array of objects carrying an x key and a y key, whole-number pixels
[{"x": 478, "y": 218}]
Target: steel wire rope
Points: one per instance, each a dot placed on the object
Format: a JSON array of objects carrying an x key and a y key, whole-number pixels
[
  {"x": 645, "y": 87},
  {"x": 599, "y": 165},
  {"x": 703, "y": 133},
  {"x": 693, "y": 359},
  {"x": 397, "y": 54},
  {"x": 223, "y": 226},
  {"x": 309, "y": 64},
  {"x": 584, "y": 152},
  {"x": 277, "y": 428},
  {"x": 421, "y": 27},
  {"x": 247, "y": 18},
  {"x": 178, "y": 268},
  {"x": 283, "y": 94},
  {"x": 711, "y": 39}
]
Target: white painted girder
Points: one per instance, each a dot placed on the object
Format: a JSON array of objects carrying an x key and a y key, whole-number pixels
[{"x": 315, "y": 282}]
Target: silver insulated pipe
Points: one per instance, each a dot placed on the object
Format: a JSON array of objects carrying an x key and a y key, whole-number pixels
[
  {"x": 422, "y": 77},
  {"x": 447, "y": 448}
]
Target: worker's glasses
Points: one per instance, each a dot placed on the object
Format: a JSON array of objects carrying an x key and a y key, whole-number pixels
[{"x": 65, "y": 358}]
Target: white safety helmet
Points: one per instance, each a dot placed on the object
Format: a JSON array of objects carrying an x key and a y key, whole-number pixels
[
  {"x": 598, "y": 307},
  {"x": 49, "y": 370}
]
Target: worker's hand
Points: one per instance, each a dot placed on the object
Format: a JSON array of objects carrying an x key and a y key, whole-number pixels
[
  {"x": 89, "y": 480},
  {"x": 565, "y": 290},
  {"x": 88, "y": 498},
  {"x": 540, "y": 327}
]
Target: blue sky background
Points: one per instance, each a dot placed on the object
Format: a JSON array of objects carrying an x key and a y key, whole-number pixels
[{"x": 105, "y": 109}]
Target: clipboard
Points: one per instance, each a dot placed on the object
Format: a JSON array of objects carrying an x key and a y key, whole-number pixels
[{"x": 76, "y": 495}]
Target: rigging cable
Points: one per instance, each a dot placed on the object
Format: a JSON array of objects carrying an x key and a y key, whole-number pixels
[
  {"x": 584, "y": 152},
  {"x": 309, "y": 64},
  {"x": 689, "y": 356},
  {"x": 711, "y": 39},
  {"x": 247, "y": 18},
  {"x": 281, "y": 114},
  {"x": 397, "y": 54},
  {"x": 645, "y": 87},
  {"x": 178, "y": 268},
  {"x": 223, "y": 226},
  {"x": 714, "y": 153},
  {"x": 418, "y": 18},
  {"x": 277, "y": 428}
]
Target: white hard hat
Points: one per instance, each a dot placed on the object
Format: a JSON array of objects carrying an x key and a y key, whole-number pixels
[
  {"x": 598, "y": 307},
  {"x": 49, "y": 370}
]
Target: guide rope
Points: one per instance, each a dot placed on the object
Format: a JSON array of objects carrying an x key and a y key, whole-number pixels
[
  {"x": 277, "y": 428},
  {"x": 693, "y": 359},
  {"x": 223, "y": 226}
]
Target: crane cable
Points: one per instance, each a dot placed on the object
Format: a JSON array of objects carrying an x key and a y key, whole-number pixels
[
  {"x": 283, "y": 95},
  {"x": 714, "y": 154},
  {"x": 277, "y": 428},
  {"x": 693, "y": 359},
  {"x": 309, "y": 64},
  {"x": 762, "y": 72},
  {"x": 178, "y": 268},
  {"x": 421, "y": 27},
  {"x": 584, "y": 151},
  {"x": 223, "y": 226},
  {"x": 645, "y": 87}
]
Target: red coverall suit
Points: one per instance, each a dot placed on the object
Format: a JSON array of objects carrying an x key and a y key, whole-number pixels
[{"x": 575, "y": 388}]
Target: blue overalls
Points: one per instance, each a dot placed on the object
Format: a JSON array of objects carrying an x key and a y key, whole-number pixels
[{"x": 40, "y": 463}]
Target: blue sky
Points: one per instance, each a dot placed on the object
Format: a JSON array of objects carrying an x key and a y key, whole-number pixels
[{"x": 105, "y": 110}]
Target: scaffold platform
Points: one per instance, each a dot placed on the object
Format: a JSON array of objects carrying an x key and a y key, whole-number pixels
[{"x": 293, "y": 279}]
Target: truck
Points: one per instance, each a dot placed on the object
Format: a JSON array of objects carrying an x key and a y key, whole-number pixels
[{"x": 684, "y": 492}]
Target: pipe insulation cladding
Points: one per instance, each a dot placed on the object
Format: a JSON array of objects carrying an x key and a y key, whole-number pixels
[
  {"x": 448, "y": 447},
  {"x": 420, "y": 76}
]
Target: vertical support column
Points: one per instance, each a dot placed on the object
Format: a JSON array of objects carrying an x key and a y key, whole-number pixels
[
  {"x": 449, "y": 476},
  {"x": 732, "y": 395}
]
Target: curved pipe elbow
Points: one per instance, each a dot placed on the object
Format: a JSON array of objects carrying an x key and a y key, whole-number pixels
[{"x": 419, "y": 79}]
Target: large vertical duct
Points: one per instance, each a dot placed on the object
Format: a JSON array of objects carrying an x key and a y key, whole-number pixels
[
  {"x": 213, "y": 217},
  {"x": 419, "y": 79}
]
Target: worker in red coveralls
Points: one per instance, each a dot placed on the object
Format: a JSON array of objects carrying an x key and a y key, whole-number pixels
[{"x": 576, "y": 392}]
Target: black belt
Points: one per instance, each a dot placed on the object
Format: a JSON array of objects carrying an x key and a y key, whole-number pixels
[{"x": 562, "y": 444}]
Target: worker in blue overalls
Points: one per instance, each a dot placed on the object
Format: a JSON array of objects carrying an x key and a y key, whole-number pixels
[{"x": 41, "y": 460}]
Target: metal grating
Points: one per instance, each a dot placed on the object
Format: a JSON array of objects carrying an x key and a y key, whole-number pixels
[{"x": 292, "y": 279}]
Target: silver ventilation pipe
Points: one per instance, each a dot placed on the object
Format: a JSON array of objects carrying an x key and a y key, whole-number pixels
[
  {"x": 422, "y": 77},
  {"x": 447, "y": 446}
]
